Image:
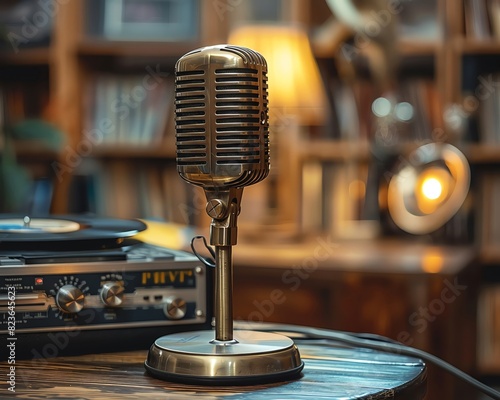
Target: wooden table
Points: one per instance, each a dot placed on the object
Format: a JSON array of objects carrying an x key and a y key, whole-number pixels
[
  {"x": 395, "y": 288},
  {"x": 330, "y": 372}
]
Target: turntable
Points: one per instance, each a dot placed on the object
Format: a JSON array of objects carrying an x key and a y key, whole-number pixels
[{"x": 76, "y": 284}]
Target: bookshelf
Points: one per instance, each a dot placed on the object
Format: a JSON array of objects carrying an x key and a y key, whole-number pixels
[
  {"x": 472, "y": 61},
  {"x": 84, "y": 84},
  {"x": 111, "y": 98}
]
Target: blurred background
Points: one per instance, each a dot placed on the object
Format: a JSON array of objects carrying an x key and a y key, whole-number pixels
[{"x": 379, "y": 214}]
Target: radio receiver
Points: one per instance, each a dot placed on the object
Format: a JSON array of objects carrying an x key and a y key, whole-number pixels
[{"x": 77, "y": 284}]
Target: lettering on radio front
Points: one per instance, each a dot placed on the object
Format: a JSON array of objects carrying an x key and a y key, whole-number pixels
[{"x": 183, "y": 277}]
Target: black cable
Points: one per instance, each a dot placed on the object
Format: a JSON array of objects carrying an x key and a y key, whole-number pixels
[
  {"x": 374, "y": 342},
  {"x": 205, "y": 260}
]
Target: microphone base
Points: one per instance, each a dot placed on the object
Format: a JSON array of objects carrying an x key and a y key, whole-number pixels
[{"x": 251, "y": 358}]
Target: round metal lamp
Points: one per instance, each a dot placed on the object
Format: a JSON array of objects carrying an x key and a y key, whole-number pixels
[{"x": 429, "y": 188}]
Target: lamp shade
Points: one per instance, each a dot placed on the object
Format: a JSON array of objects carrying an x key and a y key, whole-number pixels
[
  {"x": 295, "y": 85},
  {"x": 429, "y": 189}
]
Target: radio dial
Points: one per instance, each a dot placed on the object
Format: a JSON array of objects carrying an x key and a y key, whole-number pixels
[
  {"x": 112, "y": 294},
  {"x": 175, "y": 308},
  {"x": 70, "y": 299}
]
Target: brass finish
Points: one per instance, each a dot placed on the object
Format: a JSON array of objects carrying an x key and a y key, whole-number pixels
[
  {"x": 216, "y": 208},
  {"x": 233, "y": 150},
  {"x": 223, "y": 235},
  {"x": 196, "y": 356},
  {"x": 223, "y": 293}
]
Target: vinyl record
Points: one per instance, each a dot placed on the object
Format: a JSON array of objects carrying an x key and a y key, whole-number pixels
[{"x": 64, "y": 232}]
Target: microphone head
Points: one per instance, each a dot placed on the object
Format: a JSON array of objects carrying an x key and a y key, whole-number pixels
[{"x": 222, "y": 122}]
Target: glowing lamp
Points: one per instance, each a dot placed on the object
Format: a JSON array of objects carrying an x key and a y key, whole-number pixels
[
  {"x": 295, "y": 85},
  {"x": 429, "y": 188}
]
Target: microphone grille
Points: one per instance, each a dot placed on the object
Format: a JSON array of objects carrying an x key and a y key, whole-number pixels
[
  {"x": 222, "y": 128},
  {"x": 190, "y": 117}
]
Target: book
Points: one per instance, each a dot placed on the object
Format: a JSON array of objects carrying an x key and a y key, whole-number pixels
[
  {"x": 134, "y": 114},
  {"x": 494, "y": 14},
  {"x": 477, "y": 23},
  {"x": 488, "y": 346}
]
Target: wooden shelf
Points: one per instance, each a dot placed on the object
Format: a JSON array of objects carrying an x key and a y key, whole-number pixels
[
  {"x": 342, "y": 151},
  {"x": 474, "y": 46},
  {"x": 406, "y": 48},
  {"x": 413, "y": 47},
  {"x": 333, "y": 150},
  {"x": 107, "y": 48},
  {"x": 489, "y": 254},
  {"x": 35, "y": 150},
  {"x": 482, "y": 153},
  {"x": 345, "y": 150},
  {"x": 134, "y": 152},
  {"x": 34, "y": 56},
  {"x": 377, "y": 256}
]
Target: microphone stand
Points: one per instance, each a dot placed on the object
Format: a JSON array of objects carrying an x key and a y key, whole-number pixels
[
  {"x": 204, "y": 358},
  {"x": 223, "y": 235},
  {"x": 223, "y": 294}
]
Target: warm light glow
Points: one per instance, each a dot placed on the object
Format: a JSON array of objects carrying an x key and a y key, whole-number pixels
[
  {"x": 432, "y": 262},
  {"x": 295, "y": 85},
  {"x": 432, "y": 188},
  {"x": 429, "y": 190}
]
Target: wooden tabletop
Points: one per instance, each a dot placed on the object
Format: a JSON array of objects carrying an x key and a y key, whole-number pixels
[{"x": 330, "y": 372}]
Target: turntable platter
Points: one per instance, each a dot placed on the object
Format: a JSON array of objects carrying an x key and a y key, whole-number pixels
[
  {"x": 38, "y": 225},
  {"x": 54, "y": 232}
]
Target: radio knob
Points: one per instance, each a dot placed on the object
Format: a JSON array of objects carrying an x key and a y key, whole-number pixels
[
  {"x": 175, "y": 308},
  {"x": 112, "y": 294},
  {"x": 70, "y": 299}
]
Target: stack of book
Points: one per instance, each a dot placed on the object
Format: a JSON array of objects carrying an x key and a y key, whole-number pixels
[{"x": 135, "y": 109}]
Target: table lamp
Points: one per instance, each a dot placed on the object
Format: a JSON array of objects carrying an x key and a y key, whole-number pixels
[{"x": 296, "y": 102}]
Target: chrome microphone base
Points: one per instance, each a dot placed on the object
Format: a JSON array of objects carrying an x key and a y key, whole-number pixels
[{"x": 197, "y": 358}]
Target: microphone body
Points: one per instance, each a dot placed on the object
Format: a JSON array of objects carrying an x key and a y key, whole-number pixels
[{"x": 222, "y": 124}]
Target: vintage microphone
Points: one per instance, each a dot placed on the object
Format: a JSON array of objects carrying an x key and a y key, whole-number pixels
[{"x": 222, "y": 136}]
